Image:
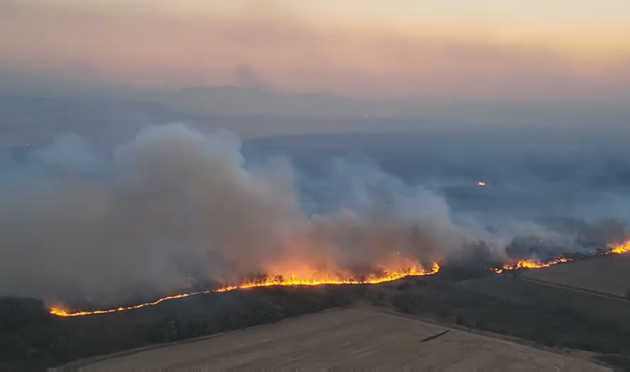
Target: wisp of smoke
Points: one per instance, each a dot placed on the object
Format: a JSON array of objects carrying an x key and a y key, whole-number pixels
[{"x": 175, "y": 204}]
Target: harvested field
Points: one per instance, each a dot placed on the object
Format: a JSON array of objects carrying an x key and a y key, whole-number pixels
[
  {"x": 610, "y": 274},
  {"x": 343, "y": 340}
]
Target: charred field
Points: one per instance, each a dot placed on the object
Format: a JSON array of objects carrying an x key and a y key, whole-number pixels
[{"x": 504, "y": 305}]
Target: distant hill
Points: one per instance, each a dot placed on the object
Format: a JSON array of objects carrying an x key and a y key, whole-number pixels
[{"x": 233, "y": 101}]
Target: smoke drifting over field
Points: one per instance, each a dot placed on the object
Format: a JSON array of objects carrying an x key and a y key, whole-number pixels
[{"x": 175, "y": 204}]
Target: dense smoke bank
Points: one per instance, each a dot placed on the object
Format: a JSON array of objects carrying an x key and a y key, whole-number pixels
[{"x": 175, "y": 204}]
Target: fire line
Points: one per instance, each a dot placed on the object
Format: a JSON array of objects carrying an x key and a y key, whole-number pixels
[
  {"x": 60, "y": 311},
  {"x": 521, "y": 264}
]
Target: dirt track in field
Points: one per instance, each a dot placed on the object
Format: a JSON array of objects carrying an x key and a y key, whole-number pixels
[
  {"x": 578, "y": 289},
  {"x": 343, "y": 340}
]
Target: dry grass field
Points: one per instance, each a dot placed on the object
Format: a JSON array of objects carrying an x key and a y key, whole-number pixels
[
  {"x": 610, "y": 274},
  {"x": 345, "y": 340}
]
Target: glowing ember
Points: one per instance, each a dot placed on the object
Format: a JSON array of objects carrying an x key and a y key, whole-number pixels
[{"x": 59, "y": 311}]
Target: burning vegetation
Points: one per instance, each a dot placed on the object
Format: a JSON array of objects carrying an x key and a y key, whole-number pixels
[
  {"x": 495, "y": 303},
  {"x": 531, "y": 264},
  {"x": 175, "y": 204},
  {"x": 292, "y": 281},
  {"x": 622, "y": 248},
  {"x": 273, "y": 282}
]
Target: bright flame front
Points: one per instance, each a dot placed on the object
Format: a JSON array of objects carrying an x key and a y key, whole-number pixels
[
  {"x": 535, "y": 264},
  {"x": 622, "y": 248},
  {"x": 292, "y": 282},
  {"x": 395, "y": 275}
]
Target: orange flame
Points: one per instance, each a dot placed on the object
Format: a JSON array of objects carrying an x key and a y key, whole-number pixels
[
  {"x": 531, "y": 264},
  {"x": 60, "y": 311},
  {"x": 621, "y": 248},
  {"x": 396, "y": 275},
  {"x": 293, "y": 282},
  {"x": 535, "y": 264}
]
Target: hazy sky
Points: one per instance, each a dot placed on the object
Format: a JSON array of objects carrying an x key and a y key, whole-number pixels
[{"x": 532, "y": 49}]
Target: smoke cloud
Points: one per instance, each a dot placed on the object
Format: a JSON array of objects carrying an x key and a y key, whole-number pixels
[{"x": 176, "y": 205}]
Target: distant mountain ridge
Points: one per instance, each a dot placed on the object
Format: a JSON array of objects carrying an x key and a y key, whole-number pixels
[{"x": 234, "y": 101}]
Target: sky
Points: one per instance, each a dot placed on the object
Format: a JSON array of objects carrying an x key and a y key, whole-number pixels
[{"x": 560, "y": 50}]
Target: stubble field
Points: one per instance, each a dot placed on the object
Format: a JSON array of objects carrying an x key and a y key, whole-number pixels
[
  {"x": 606, "y": 275},
  {"x": 342, "y": 340}
]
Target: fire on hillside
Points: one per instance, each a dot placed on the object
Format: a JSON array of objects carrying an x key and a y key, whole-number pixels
[
  {"x": 294, "y": 281},
  {"x": 273, "y": 282}
]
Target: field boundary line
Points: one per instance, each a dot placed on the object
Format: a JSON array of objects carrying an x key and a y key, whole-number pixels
[{"x": 578, "y": 289}]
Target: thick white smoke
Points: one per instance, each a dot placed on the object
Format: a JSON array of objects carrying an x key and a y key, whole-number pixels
[{"x": 175, "y": 204}]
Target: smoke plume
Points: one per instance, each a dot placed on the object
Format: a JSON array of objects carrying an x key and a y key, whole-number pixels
[{"x": 175, "y": 205}]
